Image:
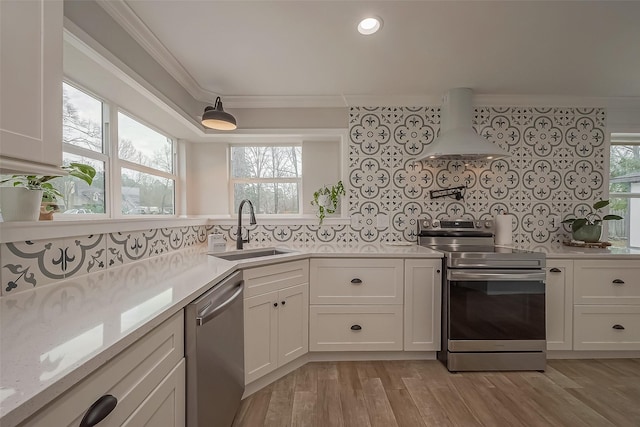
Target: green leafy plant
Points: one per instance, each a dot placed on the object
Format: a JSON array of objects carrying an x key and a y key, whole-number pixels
[
  {"x": 327, "y": 198},
  {"x": 41, "y": 182},
  {"x": 592, "y": 218}
]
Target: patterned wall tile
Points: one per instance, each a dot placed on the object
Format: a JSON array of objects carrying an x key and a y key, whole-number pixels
[{"x": 32, "y": 263}]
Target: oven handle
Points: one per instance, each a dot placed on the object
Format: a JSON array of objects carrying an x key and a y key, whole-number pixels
[{"x": 495, "y": 275}]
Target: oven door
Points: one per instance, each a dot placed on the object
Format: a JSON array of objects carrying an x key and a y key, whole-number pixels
[{"x": 496, "y": 310}]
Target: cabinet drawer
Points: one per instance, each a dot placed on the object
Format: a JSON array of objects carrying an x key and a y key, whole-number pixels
[
  {"x": 358, "y": 327},
  {"x": 599, "y": 327},
  {"x": 611, "y": 282},
  {"x": 356, "y": 281},
  {"x": 261, "y": 280},
  {"x": 130, "y": 377}
]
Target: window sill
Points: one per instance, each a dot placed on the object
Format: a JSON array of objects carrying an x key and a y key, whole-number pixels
[
  {"x": 60, "y": 228},
  {"x": 278, "y": 220}
]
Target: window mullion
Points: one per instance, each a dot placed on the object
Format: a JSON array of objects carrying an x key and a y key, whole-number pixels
[{"x": 145, "y": 169}]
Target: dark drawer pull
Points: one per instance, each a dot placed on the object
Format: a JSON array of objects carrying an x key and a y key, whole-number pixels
[
  {"x": 356, "y": 327},
  {"x": 618, "y": 281},
  {"x": 275, "y": 304},
  {"x": 619, "y": 327},
  {"x": 356, "y": 281},
  {"x": 283, "y": 302},
  {"x": 555, "y": 270},
  {"x": 99, "y": 410}
]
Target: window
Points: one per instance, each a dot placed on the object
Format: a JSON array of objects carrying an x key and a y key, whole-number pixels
[
  {"x": 624, "y": 189},
  {"x": 269, "y": 176},
  {"x": 143, "y": 174},
  {"x": 147, "y": 176},
  {"x": 83, "y": 124}
]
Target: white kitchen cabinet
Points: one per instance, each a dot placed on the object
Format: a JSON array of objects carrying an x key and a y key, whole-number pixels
[
  {"x": 422, "y": 304},
  {"x": 276, "y": 323},
  {"x": 31, "y": 86},
  {"x": 606, "y": 314},
  {"x": 147, "y": 379},
  {"x": 356, "y": 304},
  {"x": 356, "y": 281},
  {"x": 559, "y": 304}
]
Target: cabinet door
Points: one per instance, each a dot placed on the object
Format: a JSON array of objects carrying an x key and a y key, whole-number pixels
[
  {"x": 260, "y": 336},
  {"x": 165, "y": 406},
  {"x": 293, "y": 323},
  {"x": 31, "y": 85},
  {"x": 422, "y": 304},
  {"x": 559, "y": 304}
]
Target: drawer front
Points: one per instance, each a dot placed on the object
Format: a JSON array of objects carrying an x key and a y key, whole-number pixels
[
  {"x": 356, "y": 281},
  {"x": 130, "y": 377},
  {"x": 611, "y": 282},
  {"x": 261, "y": 280},
  {"x": 600, "y": 327},
  {"x": 355, "y": 328}
]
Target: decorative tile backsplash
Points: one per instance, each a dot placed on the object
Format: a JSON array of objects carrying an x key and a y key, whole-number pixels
[
  {"x": 557, "y": 168},
  {"x": 36, "y": 263}
]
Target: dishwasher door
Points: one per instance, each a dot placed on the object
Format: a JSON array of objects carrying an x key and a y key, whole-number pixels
[{"x": 214, "y": 341}]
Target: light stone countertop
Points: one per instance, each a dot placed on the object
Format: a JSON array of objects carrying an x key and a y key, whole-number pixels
[
  {"x": 53, "y": 336},
  {"x": 560, "y": 251}
]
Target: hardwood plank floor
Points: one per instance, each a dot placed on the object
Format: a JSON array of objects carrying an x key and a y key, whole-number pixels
[{"x": 570, "y": 393}]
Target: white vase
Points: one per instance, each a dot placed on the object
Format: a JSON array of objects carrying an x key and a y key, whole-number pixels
[{"x": 20, "y": 204}]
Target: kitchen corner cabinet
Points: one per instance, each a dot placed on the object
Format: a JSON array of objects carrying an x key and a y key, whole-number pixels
[
  {"x": 559, "y": 304},
  {"x": 607, "y": 305},
  {"x": 356, "y": 304},
  {"x": 276, "y": 316},
  {"x": 422, "y": 304},
  {"x": 31, "y": 86},
  {"x": 147, "y": 379}
]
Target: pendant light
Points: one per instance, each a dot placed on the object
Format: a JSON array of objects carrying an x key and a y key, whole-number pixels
[{"x": 216, "y": 118}]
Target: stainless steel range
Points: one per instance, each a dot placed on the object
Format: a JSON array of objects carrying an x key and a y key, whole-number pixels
[{"x": 493, "y": 308}]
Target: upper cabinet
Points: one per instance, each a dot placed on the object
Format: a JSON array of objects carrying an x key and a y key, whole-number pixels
[{"x": 31, "y": 86}]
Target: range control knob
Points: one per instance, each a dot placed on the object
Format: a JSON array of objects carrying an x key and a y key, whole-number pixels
[
  {"x": 477, "y": 224},
  {"x": 426, "y": 224},
  {"x": 487, "y": 224},
  {"x": 436, "y": 223}
]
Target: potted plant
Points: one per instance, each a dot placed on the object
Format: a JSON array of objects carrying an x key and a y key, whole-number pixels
[
  {"x": 22, "y": 201},
  {"x": 327, "y": 199},
  {"x": 589, "y": 228}
]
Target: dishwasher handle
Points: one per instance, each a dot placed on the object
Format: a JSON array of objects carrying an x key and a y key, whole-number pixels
[
  {"x": 212, "y": 311},
  {"x": 496, "y": 275}
]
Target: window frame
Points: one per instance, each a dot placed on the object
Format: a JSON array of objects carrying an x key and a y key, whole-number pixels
[
  {"x": 622, "y": 139},
  {"x": 120, "y": 164},
  {"x": 100, "y": 156},
  {"x": 113, "y": 165},
  {"x": 232, "y": 181}
]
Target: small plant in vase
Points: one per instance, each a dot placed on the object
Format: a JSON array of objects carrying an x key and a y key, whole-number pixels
[
  {"x": 589, "y": 228},
  {"x": 327, "y": 199}
]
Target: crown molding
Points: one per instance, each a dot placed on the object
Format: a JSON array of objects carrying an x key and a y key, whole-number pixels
[
  {"x": 288, "y": 101},
  {"x": 132, "y": 24}
]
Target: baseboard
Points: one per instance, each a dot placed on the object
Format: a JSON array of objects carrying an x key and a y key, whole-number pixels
[{"x": 592, "y": 354}]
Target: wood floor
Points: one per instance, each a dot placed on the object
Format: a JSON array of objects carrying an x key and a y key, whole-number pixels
[{"x": 422, "y": 393}]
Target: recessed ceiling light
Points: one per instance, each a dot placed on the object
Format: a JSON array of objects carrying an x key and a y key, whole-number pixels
[{"x": 369, "y": 26}]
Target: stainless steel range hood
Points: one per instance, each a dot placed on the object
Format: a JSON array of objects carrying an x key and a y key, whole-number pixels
[{"x": 457, "y": 139}]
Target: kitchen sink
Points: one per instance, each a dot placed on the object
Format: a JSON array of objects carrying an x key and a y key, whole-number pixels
[{"x": 251, "y": 253}]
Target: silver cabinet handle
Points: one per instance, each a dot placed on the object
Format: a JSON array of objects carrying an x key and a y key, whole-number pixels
[
  {"x": 555, "y": 270},
  {"x": 618, "y": 282}
]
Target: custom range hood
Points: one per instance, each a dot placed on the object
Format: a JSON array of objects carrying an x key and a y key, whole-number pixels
[{"x": 457, "y": 139}]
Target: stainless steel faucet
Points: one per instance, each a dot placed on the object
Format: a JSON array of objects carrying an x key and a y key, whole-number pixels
[{"x": 252, "y": 221}]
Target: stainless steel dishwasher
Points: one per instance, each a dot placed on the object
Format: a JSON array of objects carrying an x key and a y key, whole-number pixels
[{"x": 214, "y": 341}]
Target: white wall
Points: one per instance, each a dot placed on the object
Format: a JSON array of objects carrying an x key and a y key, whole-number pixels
[
  {"x": 634, "y": 220},
  {"x": 321, "y": 165},
  {"x": 207, "y": 179}
]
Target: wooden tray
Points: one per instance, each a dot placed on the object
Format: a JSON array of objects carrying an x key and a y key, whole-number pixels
[{"x": 587, "y": 245}]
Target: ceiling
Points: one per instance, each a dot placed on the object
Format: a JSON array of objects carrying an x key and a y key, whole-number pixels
[{"x": 311, "y": 49}]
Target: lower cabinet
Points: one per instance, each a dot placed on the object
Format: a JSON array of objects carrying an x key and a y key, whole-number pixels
[
  {"x": 422, "y": 304},
  {"x": 276, "y": 323},
  {"x": 559, "y": 304},
  {"x": 147, "y": 379}
]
